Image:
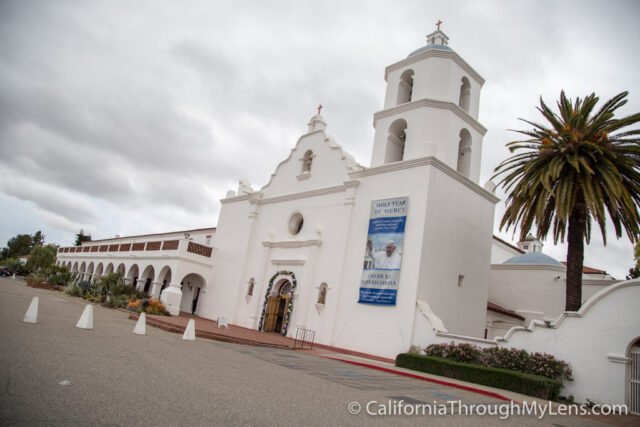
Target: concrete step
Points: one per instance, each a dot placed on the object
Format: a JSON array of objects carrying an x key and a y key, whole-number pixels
[{"x": 172, "y": 327}]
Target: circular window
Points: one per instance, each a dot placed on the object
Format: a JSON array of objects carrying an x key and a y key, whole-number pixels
[{"x": 295, "y": 223}]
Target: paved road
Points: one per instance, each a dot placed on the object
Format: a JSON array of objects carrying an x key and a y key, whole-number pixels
[{"x": 118, "y": 378}]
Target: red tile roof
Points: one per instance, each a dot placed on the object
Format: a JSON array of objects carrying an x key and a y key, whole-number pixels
[
  {"x": 495, "y": 307},
  {"x": 589, "y": 270}
]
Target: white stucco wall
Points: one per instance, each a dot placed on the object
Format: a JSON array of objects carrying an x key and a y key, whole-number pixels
[
  {"x": 431, "y": 131},
  {"x": 456, "y": 241},
  {"x": 498, "y": 324},
  {"x": 437, "y": 76},
  {"x": 431, "y": 252},
  {"x": 501, "y": 252},
  {"x": 595, "y": 342},
  {"x": 254, "y": 240},
  {"x": 232, "y": 236},
  {"x": 533, "y": 291}
]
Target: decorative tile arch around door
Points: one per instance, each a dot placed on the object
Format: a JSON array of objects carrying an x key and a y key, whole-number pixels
[{"x": 294, "y": 282}]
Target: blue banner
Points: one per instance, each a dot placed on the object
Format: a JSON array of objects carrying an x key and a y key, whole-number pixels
[{"x": 383, "y": 252}]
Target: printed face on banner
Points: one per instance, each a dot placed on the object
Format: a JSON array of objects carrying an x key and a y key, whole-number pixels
[{"x": 383, "y": 252}]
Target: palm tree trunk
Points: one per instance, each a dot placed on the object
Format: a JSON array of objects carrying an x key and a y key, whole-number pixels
[{"x": 575, "y": 254}]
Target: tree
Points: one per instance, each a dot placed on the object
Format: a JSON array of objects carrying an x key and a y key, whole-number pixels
[
  {"x": 41, "y": 258},
  {"x": 634, "y": 272},
  {"x": 22, "y": 245},
  {"x": 17, "y": 246},
  {"x": 581, "y": 168},
  {"x": 81, "y": 237},
  {"x": 38, "y": 239}
]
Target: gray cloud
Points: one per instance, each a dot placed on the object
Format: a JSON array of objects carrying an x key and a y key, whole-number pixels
[{"x": 141, "y": 117}]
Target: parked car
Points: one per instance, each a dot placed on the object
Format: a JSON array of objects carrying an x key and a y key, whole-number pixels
[{"x": 4, "y": 271}]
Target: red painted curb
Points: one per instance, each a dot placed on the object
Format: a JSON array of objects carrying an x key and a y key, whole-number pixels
[{"x": 418, "y": 377}]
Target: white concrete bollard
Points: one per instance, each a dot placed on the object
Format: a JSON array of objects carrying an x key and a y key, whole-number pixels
[
  {"x": 141, "y": 325},
  {"x": 86, "y": 320},
  {"x": 190, "y": 332},
  {"x": 32, "y": 312},
  {"x": 13, "y": 276}
]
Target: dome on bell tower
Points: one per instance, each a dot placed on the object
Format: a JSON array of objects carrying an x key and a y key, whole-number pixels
[{"x": 436, "y": 40}]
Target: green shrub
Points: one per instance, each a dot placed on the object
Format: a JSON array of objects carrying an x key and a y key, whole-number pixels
[
  {"x": 84, "y": 285},
  {"x": 119, "y": 301},
  {"x": 60, "y": 276},
  {"x": 111, "y": 284},
  {"x": 74, "y": 291},
  {"x": 495, "y": 357},
  {"x": 531, "y": 385}
]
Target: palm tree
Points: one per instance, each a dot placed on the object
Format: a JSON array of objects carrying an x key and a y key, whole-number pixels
[{"x": 576, "y": 169}]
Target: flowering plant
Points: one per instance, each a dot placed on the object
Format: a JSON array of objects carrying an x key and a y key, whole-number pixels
[
  {"x": 147, "y": 305},
  {"x": 542, "y": 364}
]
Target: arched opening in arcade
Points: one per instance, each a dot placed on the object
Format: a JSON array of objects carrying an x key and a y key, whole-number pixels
[
  {"x": 192, "y": 286},
  {"x": 81, "y": 271},
  {"x": 99, "y": 271},
  {"x": 121, "y": 270},
  {"x": 109, "y": 269},
  {"x": 132, "y": 276},
  {"x": 146, "y": 279},
  {"x": 164, "y": 277},
  {"x": 89, "y": 273}
]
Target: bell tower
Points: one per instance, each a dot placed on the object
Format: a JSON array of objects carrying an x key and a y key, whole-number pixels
[{"x": 431, "y": 109}]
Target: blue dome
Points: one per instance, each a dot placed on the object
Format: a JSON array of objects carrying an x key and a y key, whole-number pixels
[
  {"x": 428, "y": 47},
  {"x": 533, "y": 258}
]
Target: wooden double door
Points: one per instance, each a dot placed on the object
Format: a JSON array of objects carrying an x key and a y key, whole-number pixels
[{"x": 275, "y": 313}]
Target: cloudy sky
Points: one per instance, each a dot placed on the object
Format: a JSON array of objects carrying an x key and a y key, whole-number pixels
[{"x": 135, "y": 117}]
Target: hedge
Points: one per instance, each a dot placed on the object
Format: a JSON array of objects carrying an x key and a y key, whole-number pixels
[{"x": 531, "y": 385}]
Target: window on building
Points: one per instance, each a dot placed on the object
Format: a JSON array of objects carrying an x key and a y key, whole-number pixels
[
  {"x": 465, "y": 94},
  {"x": 285, "y": 288},
  {"x": 460, "y": 280},
  {"x": 464, "y": 153},
  {"x": 322, "y": 294},
  {"x": 252, "y": 283},
  {"x": 306, "y": 161},
  {"x": 396, "y": 141},
  {"x": 295, "y": 223},
  {"x": 405, "y": 87}
]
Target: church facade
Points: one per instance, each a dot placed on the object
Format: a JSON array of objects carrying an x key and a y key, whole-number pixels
[{"x": 302, "y": 252}]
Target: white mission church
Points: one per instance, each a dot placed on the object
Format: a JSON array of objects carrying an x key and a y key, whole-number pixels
[{"x": 376, "y": 259}]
